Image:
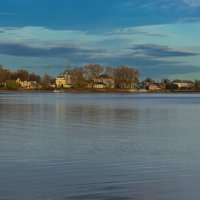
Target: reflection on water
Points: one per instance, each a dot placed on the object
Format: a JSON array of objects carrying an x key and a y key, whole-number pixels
[{"x": 99, "y": 146}]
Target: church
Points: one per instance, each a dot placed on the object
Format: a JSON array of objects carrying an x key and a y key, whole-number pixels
[{"x": 64, "y": 80}]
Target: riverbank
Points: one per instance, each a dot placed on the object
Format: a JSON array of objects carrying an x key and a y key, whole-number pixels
[{"x": 92, "y": 90}]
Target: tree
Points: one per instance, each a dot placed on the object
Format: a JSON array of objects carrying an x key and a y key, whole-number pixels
[
  {"x": 92, "y": 72},
  {"x": 165, "y": 80},
  {"x": 46, "y": 80},
  {"x": 78, "y": 77},
  {"x": 126, "y": 77},
  {"x": 34, "y": 77},
  {"x": 197, "y": 84},
  {"x": 109, "y": 71},
  {"x": 23, "y": 75},
  {"x": 4, "y": 74},
  {"x": 149, "y": 80},
  {"x": 172, "y": 86},
  {"x": 12, "y": 85}
]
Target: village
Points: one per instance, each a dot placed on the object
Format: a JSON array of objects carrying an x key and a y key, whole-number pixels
[
  {"x": 93, "y": 78},
  {"x": 104, "y": 81}
]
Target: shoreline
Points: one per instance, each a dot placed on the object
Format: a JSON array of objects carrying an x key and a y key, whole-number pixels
[{"x": 97, "y": 91}]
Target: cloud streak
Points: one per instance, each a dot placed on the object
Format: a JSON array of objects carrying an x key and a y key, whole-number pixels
[
  {"x": 145, "y": 47},
  {"x": 159, "y": 51},
  {"x": 28, "y": 51},
  {"x": 192, "y": 3},
  {"x": 161, "y": 4}
]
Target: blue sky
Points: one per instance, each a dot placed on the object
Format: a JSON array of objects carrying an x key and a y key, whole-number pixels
[{"x": 160, "y": 37}]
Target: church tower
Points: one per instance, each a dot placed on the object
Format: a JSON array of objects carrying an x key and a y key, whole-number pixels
[{"x": 68, "y": 75}]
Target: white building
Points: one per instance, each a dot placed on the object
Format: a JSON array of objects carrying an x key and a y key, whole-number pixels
[
  {"x": 27, "y": 84},
  {"x": 64, "y": 80},
  {"x": 104, "y": 81},
  {"x": 183, "y": 84}
]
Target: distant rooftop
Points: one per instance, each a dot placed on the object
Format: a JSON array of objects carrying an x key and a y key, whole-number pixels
[{"x": 104, "y": 76}]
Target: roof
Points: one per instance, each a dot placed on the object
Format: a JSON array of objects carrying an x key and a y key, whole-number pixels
[
  {"x": 99, "y": 83},
  {"x": 61, "y": 76},
  {"x": 182, "y": 81},
  {"x": 66, "y": 72},
  {"x": 104, "y": 76}
]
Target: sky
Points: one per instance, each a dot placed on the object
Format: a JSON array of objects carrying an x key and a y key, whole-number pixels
[{"x": 161, "y": 38}]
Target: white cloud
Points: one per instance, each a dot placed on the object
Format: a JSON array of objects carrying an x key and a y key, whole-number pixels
[
  {"x": 115, "y": 43},
  {"x": 161, "y": 4},
  {"x": 40, "y": 36},
  {"x": 180, "y": 34},
  {"x": 192, "y": 3}
]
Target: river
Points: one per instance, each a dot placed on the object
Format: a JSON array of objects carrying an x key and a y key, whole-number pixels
[{"x": 58, "y": 146}]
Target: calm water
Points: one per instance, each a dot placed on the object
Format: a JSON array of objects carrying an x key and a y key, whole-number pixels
[{"x": 99, "y": 146}]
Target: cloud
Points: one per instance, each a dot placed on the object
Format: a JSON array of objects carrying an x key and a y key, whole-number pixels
[
  {"x": 111, "y": 14},
  {"x": 189, "y": 20},
  {"x": 148, "y": 47},
  {"x": 192, "y": 3},
  {"x": 159, "y": 51},
  {"x": 166, "y": 70},
  {"x": 42, "y": 36},
  {"x": 162, "y": 4},
  {"x": 136, "y": 31},
  {"x": 146, "y": 65},
  {"x": 29, "y": 51}
]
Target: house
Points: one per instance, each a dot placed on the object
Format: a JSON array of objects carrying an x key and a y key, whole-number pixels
[
  {"x": 61, "y": 81},
  {"x": 162, "y": 86},
  {"x": 104, "y": 81},
  {"x": 183, "y": 84},
  {"x": 64, "y": 80},
  {"x": 145, "y": 84},
  {"x": 153, "y": 87},
  {"x": 27, "y": 84},
  {"x": 99, "y": 85}
]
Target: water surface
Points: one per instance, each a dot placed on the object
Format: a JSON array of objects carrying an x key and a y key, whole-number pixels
[{"x": 99, "y": 146}]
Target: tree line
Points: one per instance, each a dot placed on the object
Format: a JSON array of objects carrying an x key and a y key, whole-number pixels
[
  {"x": 124, "y": 77},
  {"x": 9, "y": 78},
  {"x": 6, "y": 74}
]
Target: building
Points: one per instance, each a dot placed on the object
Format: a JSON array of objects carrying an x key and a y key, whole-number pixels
[
  {"x": 162, "y": 86},
  {"x": 99, "y": 85},
  {"x": 182, "y": 84},
  {"x": 153, "y": 87},
  {"x": 27, "y": 84},
  {"x": 64, "y": 80},
  {"x": 104, "y": 81}
]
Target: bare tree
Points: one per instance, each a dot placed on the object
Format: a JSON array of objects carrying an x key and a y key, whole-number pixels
[
  {"x": 46, "y": 80},
  {"x": 126, "y": 77},
  {"x": 78, "y": 77},
  {"x": 34, "y": 77},
  {"x": 4, "y": 74},
  {"x": 109, "y": 71},
  {"x": 92, "y": 72},
  {"x": 23, "y": 75}
]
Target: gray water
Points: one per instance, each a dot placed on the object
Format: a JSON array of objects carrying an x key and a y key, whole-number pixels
[{"x": 99, "y": 146}]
